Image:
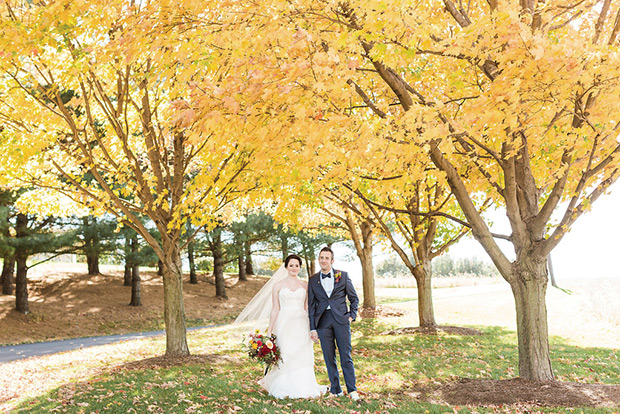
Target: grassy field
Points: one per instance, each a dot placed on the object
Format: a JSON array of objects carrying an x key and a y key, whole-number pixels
[{"x": 396, "y": 374}]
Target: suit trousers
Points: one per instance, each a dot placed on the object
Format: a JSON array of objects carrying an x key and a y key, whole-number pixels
[{"x": 333, "y": 334}]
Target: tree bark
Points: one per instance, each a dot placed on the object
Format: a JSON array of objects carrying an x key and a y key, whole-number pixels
[
  {"x": 368, "y": 282},
  {"x": 363, "y": 249},
  {"x": 8, "y": 270},
  {"x": 242, "y": 274},
  {"x": 160, "y": 268},
  {"x": 306, "y": 260},
  {"x": 127, "y": 274},
  {"x": 249, "y": 268},
  {"x": 529, "y": 287},
  {"x": 136, "y": 295},
  {"x": 21, "y": 256},
  {"x": 193, "y": 278},
  {"x": 426, "y": 313},
  {"x": 527, "y": 275},
  {"x": 174, "y": 309},
  {"x": 136, "y": 292},
  {"x": 284, "y": 247},
  {"x": 218, "y": 265},
  {"x": 551, "y": 274},
  {"x": 91, "y": 248},
  {"x": 92, "y": 260},
  {"x": 8, "y": 265},
  {"x": 21, "y": 284}
]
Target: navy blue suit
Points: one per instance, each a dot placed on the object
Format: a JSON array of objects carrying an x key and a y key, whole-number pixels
[{"x": 333, "y": 325}]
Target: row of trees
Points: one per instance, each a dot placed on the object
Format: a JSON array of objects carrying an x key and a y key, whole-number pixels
[
  {"x": 395, "y": 118},
  {"x": 444, "y": 266},
  {"x": 27, "y": 241}
]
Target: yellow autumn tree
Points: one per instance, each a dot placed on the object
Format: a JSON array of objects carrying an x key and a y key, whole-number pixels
[
  {"x": 135, "y": 108},
  {"x": 515, "y": 100}
]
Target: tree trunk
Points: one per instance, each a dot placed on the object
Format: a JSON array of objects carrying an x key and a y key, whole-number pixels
[
  {"x": 160, "y": 268},
  {"x": 368, "y": 279},
  {"x": 193, "y": 278},
  {"x": 529, "y": 287},
  {"x": 312, "y": 266},
  {"x": 136, "y": 296},
  {"x": 307, "y": 261},
  {"x": 8, "y": 270},
  {"x": 242, "y": 274},
  {"x": 426, "y": 313},
  {"x": 284, "y": 247},
  {"x": 363, "y": 249},
  {"x": 174, "y": 309},
  {"x": 92, "y": 260},
  {"x": 551, "y": 274},
  {"x": 527, "y": 275},
  {"x": 91, "y": 248},
  {"x": 249, "y": 268},
  {"x": 21, "y": 284},
  {"x": 127, "y": 274},
  {"x": 21, "y": 255},
  {"x": 368, "y": 271},
  {"x": 218, "y": 265}
]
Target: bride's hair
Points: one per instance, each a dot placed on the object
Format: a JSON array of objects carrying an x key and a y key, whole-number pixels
[{"x": 292, "y": 256}]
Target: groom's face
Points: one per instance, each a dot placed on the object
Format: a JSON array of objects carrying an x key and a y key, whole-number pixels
[{"x": 325, "y": 261}]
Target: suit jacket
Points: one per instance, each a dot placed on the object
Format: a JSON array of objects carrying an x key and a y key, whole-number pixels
[{"x": 318, "y": 299}]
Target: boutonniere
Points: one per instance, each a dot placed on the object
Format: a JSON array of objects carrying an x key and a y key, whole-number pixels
[{"x": 337, "y": 276}]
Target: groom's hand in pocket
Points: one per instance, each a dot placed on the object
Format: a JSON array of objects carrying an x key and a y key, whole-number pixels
[{"x": 314, "y": 336}]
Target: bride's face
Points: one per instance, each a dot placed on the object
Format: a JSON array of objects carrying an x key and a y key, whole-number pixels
[{"x": 293, "y": 267}]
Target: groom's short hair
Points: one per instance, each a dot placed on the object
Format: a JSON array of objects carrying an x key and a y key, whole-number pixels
[{"x": 327, "y": 249}]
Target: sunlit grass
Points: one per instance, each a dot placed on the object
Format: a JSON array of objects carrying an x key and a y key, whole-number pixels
[{"x": 385, "y": 364}]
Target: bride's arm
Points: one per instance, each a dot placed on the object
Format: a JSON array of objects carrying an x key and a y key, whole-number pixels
[
  {"x": 276, "y": 308},
  {"x": 306, "y": 301}
]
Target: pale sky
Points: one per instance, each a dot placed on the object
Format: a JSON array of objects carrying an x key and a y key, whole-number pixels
[{"x": 590, "y": 249}]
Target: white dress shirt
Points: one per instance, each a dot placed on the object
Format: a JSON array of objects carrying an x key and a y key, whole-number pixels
[{"x": 328, "y": 283}]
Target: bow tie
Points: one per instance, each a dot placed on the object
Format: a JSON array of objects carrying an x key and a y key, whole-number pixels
[{"x": 323, "y": 276}]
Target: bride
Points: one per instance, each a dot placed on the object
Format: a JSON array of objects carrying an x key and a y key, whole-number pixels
[{"x": 284, "y": 299}]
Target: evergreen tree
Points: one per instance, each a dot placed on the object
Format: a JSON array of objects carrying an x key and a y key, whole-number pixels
[
  {"x": 6, "y": 250},
  {"x": 35, "y": 235}
]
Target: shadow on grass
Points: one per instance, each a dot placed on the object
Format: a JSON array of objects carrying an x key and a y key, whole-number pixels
[
  {"x": 197, "y": 384},
  {"x": 396, "y": 374}
]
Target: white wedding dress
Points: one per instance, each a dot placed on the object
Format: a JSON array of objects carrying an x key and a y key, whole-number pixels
[{"x": 293, "y": 377}]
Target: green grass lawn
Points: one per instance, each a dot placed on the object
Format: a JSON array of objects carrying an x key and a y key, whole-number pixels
[
  {"x": 386, "y": 367},
  {"x": 386, "y": 300}
]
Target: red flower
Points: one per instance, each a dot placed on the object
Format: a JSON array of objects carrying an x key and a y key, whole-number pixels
[{"x": 337, "y": 276}]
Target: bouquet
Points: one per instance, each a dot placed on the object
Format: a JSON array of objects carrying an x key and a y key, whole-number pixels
[{"x": 263, "y": 348}]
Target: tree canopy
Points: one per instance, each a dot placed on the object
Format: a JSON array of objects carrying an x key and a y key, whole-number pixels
[{"x": 177, "y": 110}]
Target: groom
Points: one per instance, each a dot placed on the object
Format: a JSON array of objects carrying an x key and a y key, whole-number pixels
[{"x": 330, "y": 320}]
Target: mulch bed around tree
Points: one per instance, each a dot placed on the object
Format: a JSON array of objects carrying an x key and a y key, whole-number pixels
[
  {"x": 380, "y": 312},
  {"x": 434, "y": 330},
  {"x": 465, "y": 391}
]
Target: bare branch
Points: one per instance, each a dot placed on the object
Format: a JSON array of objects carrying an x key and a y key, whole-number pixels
[
  {"x": 480, "y": 230},
  {"x": 601, "y": 21},
  {"x": 366, "y": 99},
  {"x": 615, "y": 30},
  {"x": 560, "y": 231},
  {"x": 461, "y": 18}
]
